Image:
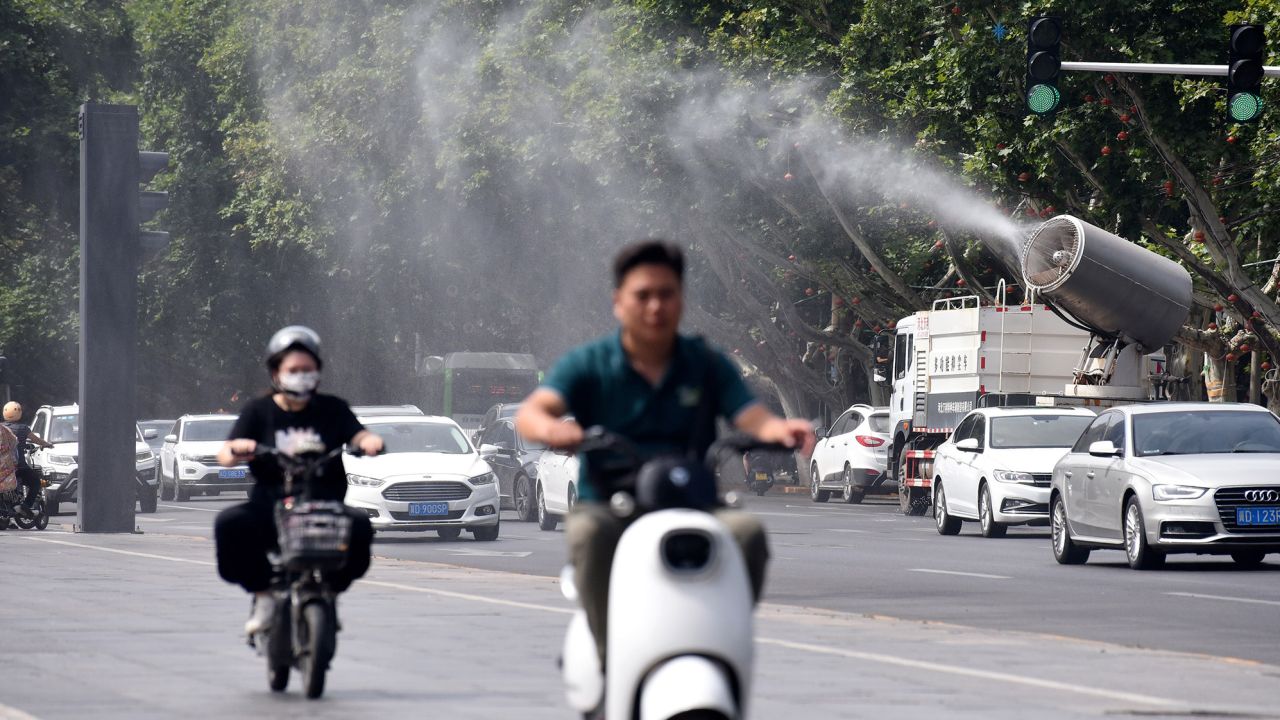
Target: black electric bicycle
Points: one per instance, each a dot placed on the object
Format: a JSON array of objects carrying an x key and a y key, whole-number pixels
[{"x": 313, "y": 537}]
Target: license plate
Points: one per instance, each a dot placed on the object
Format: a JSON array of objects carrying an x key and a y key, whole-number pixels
[
  {"x": 428, "y": 509},
  {"x": 762, "y": 476},
  {"x": 237, "y": 474},
  {"x": 1258, "y": 516}
]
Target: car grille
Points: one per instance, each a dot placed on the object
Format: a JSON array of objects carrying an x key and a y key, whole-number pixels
[
  {"x": 1228, "y": 499},
  {"x": 453, "y": 515},
  {"x": 425, "y": 491},
  {"x": 1042, "y": 479}
]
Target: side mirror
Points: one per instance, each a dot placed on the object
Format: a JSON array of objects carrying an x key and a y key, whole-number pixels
[
  {"x": 489, "y": 449},
  {"x": 149, "y": 434},
  {"x": 1103, "y": 448},
  {"x": 969, "y": 445},
  {"x": 167, "y": 438},
  {"x": 820, "y": 432}
]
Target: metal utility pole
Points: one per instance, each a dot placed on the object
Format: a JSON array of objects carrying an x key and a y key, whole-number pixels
[{"x": 110, "y": 252}]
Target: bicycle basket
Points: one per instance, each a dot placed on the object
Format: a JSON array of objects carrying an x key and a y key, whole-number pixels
[{"x": 313, "y": 534}]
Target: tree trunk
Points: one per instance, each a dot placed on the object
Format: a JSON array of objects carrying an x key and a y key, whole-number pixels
[
  {"x": 1255, "y": 381},
  {"x": 1219, "y": 381}
]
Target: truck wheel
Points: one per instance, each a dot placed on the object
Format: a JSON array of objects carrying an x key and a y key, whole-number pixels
[{"x": 911, "y": 500}]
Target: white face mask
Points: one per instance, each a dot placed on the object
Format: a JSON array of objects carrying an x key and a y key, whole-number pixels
[{"x": 298, "y": 385}]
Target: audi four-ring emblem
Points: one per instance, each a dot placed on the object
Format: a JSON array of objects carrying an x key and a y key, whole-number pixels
[{"x": 1262, "y": 495}]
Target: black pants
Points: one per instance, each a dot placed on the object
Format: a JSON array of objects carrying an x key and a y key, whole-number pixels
[
  {"x": 244, "y": 534},
  {"x": 31, "y": 479}
]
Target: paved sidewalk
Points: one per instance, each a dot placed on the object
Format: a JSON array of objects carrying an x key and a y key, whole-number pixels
[{"x": 139, "y": 626}]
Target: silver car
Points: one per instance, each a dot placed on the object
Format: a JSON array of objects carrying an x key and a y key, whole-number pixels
[{"x": 1170, "y": 478}]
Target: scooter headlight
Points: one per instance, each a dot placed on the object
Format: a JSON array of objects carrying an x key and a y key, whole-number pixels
[{"x": 687, "y": 551}]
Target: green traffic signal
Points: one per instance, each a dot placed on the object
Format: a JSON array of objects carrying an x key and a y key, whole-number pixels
[
  {"x": 1244, "y": 107},
  {"x": 1043, "y": 98}
]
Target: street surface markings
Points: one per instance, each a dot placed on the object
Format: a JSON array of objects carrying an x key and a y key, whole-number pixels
[
  {"x": 151, "y": 519},
  {"x": 816, "y": 506},
  {"x": 1251, "y": 601},
  {"x": 187, "y": 507},
  {"x": 880, "y": 658},
  {"x": 974, "y": 673},
  {"x": 847, "y": 530},
  {"x": 964, "y": 574},
  {"x": 488, "y": 553},
  {"x": 13, "y": 713}
]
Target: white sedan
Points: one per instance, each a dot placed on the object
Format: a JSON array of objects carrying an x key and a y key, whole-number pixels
[
  {"x": 429, "y": 478},
  {"x": 997, "y": 466},
  {"x": 557, "y": 488}
]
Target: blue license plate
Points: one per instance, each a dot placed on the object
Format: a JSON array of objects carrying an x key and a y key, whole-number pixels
[
  {"x": 237, "y": 474},
  {"x": 428, "y": 509},
  {"x": 1258, "y": 516}
]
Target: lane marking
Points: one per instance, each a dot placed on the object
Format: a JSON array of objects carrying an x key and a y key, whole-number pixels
[
  {"x": 973, "y": 673},
  {"x": 151, "y": 519},
  {"x": 488, "y": 553},
  {"x": 186, "y": 507},
  {"x": 130, "y": 553},
  {"x": 964, "y": 574},
  {"x": 8, "y": 712},
  {"x": 1227, "y": 598},
  {"x": 467, "y": 596},
  {"x": 995, "y": 676}
]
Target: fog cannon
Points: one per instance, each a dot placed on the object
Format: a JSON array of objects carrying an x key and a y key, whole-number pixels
[{"x": 1114, "y": 287}]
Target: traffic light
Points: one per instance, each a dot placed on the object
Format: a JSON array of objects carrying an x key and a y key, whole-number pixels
[
  {"x": 1044, "y": 35},
  {"x": 1244, "y": 73},
  {"x": 151, "y": 202}
]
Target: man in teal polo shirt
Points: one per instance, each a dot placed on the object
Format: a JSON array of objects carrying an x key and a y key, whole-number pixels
[{"x": 646, "y": 383}]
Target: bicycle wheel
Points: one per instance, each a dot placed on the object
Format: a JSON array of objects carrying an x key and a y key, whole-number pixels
[{"x": 317, "y": 647}]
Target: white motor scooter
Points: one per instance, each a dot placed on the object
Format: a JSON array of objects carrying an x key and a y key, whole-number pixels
[{"x": 680, "y": 612}]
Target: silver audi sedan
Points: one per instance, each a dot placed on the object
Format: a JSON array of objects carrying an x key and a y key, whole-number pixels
[{"x": 1170, "y": 478}]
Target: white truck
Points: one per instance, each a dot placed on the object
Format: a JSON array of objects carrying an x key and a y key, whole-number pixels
[{"x": 1099, "y": 344}]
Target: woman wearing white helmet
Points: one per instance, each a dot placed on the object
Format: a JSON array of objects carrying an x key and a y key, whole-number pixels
[
  {"x": 294, "y": 415},
  {"x": 27, "y": 475}
]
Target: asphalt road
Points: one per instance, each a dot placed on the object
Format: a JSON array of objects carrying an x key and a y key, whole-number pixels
[
  {"x": 870, "y": 559},
  {"x": 868, "y": 614}
]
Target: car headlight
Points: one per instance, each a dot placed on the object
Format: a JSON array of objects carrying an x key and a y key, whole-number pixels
[
  {"x": 1013, "y": 476},
  {"x": 362, "y": 481},
  {"x": 143, "y": 456},
  {"x": 62, "y": 460},
  {"x": 484, "y": 479},
  {"x": 1177, "y": 492}
]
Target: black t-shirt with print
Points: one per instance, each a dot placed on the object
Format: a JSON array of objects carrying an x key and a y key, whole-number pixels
[
  {"x": 21, "y": 431},
  {"x": 325, "y": 417}
]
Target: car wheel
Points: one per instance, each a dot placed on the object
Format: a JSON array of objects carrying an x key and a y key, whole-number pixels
[
  {"x": 166, "y": 490},
  {"x": 852, "y": 495},
  {"x": 991, "y": 528},
  {"x": 1248, "y": 558},
  {"x": 947, "y": 525},
  {"x": 180, "y": 493},
  {"x": 573, "y": 497},
  {"x": 451, "y": 533},
  {"x": 486, "y": 534},
  {"x": 1140, "y": 553},
  {"x": 148, "y": 500},
  {"x": 546, "y": 521},
  {"x": 523, "y": 500},
  {"x": 816, "y": 493},
  {"x": 1065, "y": 550},
  {"x": 50, "y": 507}
]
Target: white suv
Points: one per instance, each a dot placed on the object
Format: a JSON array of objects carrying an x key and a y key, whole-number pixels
[
  {"x": 60, "y": 464},
  {"x": 997, "y": 466},
  {"x": 429, "y": 478},
  {"x": 189, "y": 459},
  {"x": 851, "y": 457}
]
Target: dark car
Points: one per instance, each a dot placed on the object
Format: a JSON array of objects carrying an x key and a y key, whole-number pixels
[
  {"x": 496, "y": 412},
  {"x": 513, "y": 460}
]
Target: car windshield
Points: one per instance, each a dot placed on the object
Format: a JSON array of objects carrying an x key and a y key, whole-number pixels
[
  {"x": 207, "y": 430},
  {"x": 878, "y": 422},
  {"x": 64, "y": 428},
  {"x": 1205, "y": 432},
  {"x": 1037, "y": 431},
  {"x": 405, "y": 437}
]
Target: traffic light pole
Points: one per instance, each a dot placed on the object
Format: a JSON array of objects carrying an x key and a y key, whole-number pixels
[
  {"x": 1159, "y": 68},
  {"x": 109, "y": 257}
]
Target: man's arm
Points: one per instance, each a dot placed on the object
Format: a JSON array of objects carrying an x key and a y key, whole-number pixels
[
  {"x": 32, "y": 437},
  {"x": 539, "y": 420},
  {"x": 756, "y": 421}
]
